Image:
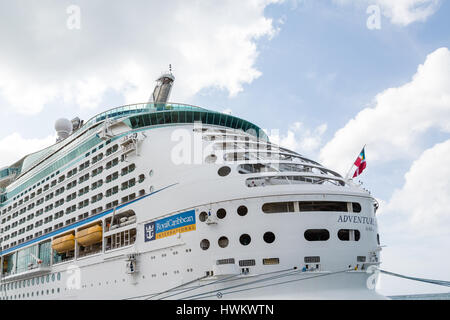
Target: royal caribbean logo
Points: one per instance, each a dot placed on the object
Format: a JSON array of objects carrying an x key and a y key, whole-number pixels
[
  {"x": 149, "y": 231},
  {"x": 182, "y": 222}
]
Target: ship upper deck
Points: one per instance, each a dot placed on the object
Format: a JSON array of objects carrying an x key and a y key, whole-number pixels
[{"x": 135, "y": 116}]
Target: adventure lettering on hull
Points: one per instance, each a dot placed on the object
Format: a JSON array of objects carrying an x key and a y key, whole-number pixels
[{"x": 356, "y": 219}]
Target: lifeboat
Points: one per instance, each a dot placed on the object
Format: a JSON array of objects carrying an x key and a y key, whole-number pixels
[
  {"x": 89, "y": 236},
  {"x": 64, "y": 243}
]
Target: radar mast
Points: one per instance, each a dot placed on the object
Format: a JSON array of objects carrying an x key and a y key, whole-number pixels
[{"x": 163, "y": 88}]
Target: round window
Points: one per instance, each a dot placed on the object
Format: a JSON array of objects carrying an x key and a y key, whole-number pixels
[
  {"x": 204, "y": 244},
  {"x": 269, "y": 237},
  {"x": 221, "y": 213},
  {"x": 203, "y": 216},
  {"x": 224, "y": 171},
  {"x": 245, "y": 239},
  {"x": 223, "y": 242},
  {"x": 242, "y": 211}
]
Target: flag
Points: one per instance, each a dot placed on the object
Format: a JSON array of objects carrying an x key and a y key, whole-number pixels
[{"x": 360, "y": 163}]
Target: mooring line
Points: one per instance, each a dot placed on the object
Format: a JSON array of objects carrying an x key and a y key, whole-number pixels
[{"x": 437, "y": 282}]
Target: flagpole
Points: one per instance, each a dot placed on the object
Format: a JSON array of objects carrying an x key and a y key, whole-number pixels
[
  {"x": 349, "y": 170},
  {"x": 353, "y": 164}
]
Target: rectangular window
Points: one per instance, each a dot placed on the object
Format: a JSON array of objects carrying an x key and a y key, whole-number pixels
[{"x": 271, "y": 261}]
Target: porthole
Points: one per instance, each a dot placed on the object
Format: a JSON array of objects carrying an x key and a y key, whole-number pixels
[
  {"x": 221, "y": 213},
  {"x": 203, "y": 216},
  {"x": 242, "y": 211},
  {"x": 269, "y": 237},
  {"x": 48, "y": 278},
  {"x": 223, "y": 242},
  {"x": 59, "y": 276},
  {"x": 245, "y": 239},
  {"x": 151, "y": 189},
  {"x": 224, "y": 171},
  {"x": 204, "y": 244},
  {"x": 53, "y": 277},
  {"x": 150, "y": 174}
]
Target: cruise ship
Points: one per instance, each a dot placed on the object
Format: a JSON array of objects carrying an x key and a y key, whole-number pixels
[{"x": 162, "y": 200}]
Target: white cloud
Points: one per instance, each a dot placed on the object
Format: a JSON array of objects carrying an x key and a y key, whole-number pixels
[
  {"x": 299, "y": 138},
  {"x": 13, "y": 147},
  {"x": 401, "y": 12},
  {"x": 414, "y": 225},
  {"x": 424, "y": 199},
  {"x": 394, "y": 126},
  {"x": 124, "y": 47}
]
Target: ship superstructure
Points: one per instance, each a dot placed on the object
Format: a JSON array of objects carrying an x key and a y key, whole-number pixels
[{"x": 125, "y": 206}]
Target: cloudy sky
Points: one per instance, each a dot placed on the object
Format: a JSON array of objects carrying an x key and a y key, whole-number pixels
[{"x": 329, "y": 75}]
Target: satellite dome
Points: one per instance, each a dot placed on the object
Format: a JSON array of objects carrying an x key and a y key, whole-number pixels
[{"x": 63, "y": 127}]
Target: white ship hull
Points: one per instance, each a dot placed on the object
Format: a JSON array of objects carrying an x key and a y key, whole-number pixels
[{"x": 174, "y": 263}]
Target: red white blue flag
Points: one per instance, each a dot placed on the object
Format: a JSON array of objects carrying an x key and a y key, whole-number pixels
[{"x": 360, "y": 163}]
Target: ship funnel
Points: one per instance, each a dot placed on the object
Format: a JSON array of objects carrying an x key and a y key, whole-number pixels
[{"x": 163, "y": 88}]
